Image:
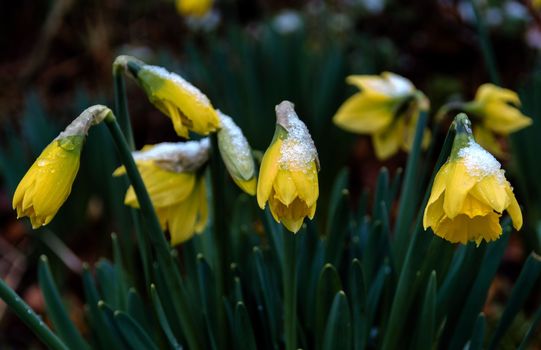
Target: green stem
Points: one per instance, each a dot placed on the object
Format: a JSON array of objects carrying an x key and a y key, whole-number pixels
[
  {"x": 157, "y": 238},
  {"x": 405, "y": 291},
  {"x": 121, "y": 109},
  {"x": 29, "y": 317},
  {"x": 290, "y": 291},
  {"x": 486, "y": 45}
]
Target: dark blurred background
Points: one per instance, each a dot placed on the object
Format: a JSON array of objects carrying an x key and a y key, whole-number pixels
[{"x": 247, "y": 56}]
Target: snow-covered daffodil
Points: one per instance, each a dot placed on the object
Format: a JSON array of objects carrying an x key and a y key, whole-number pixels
[
  {"x": 172, "y": 176},
  {"x": 196, "y": 8},
  {"x": 495, "y": 111},
  {"x": 188, "y": 108},
  {"x": 47, "y": 184},
  {"x": 237, "y": 154},
  {"x": 388, "y": 108},
  {"x": 470, "y": 193},
  {"x": 288, "y": 178}
]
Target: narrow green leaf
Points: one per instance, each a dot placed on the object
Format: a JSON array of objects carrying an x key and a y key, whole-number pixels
[
  {"x": 244, "y": 333},
  {"x": 340, "y": 220},
  {"x": 266, "y": 287},
  {"x": 133, "y": 333},
  {"x": 107, "y": 283},
  {"x": 374, "y": 294},
  {"x": 524, "y": 284},
  {"x": 338, "y": 330},
  {"x": 136, "y": 308},
  {"x": 357, "y": 293},
  {"x": 210, "y": 301},
  {"x": 104, "y": 330},
  {"x": 536, "y": 320},
  {"x": 328, "y": 285},
  {"x": 56, "y": 309},
  {"x": 121, "y": 279},
  {"x": 162, "y": 318},
  {"x": 426, "y": 324},
  {"x": 479, "y": 290},
  {"x": 476, "y": 341},
  {"x": 382, "y": 192}
]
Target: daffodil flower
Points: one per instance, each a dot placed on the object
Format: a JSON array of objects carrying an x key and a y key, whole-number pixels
[
  {"x": 288, "y": 175},
  {"x": 237, "y": 154},
  {"x": 187, "y": 107},
  {"x": 470, "y": 193},
  {"x": 495, "y": 111},
  {"x": 196, "y": 8},
  {"x": 387, "y": 107},
  {"x": 172, "y": 176},
  {"x": 47, "y": 184}
]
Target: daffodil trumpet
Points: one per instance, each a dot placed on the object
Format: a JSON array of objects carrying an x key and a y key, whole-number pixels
[
  {"x": 470, "y": 193},
  {"x": 48, "y": 182},
  {"x": 288, "y": 178},
  {"x": 187, "y": 107}
]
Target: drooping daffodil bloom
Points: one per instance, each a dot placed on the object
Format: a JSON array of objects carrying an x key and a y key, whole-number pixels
[
  {"x": 187, "y": 107},
  {"x": 196, "y": 8},
  {"x": 388, "y": 108},
  {"x": 470, "y": 193},
  {"x": 172, "y": 174},
  {"x": 288, "y": 178},
  {"x": 47, "y": 184},
  {"x": 237, "y": 154},
  {"x": 495, "y": 111}
]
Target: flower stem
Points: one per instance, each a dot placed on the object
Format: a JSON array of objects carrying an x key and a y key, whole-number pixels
[
  {"x": 290, "y": 291},
  {"x": 121, "y": 109},
  {"x": 157, "y": 238},
  {"x": 29, "y": 317},
  {"x": 486, "y": 45}
]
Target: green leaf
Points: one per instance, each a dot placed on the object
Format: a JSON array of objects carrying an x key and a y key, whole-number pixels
[
  {"x": 328, "y": 285},
  {"x": 162, "y": 318},
  {"x": 338, "y": 329},
  {"x": 476, "y": 341},
  {"x": 56, "y": 310},
  {"x": 210, "y": 299},
  {"x": 339, "y": 220},
  {"x": 266, "y": 287},
  {"x": 524, "y": 284},
  {"x": 426, "y": 324},
  {"x": 244, "y": 333},
  {"x": 382, "y": 192},
  {"x": 136, "y": 308},
  {"x": 133, "y": 333},
  {"x": 374, "y": 294},
  {"x": 121, "y": 279},
  {"x": 477, "y": 296},
  {"x": 357, "y": 293},
  {"x": 107, "y": 283},
  {"x": 536, "y": 320}
]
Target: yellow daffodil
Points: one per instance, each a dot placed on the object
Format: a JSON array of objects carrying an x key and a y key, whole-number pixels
[
  {"x": 188, "y": 108},
  {"x": 47, "y": 184},
  {"x": 470, "y": 193},
  {"x": 288, "y": 174},
  {"x": 388, "y": 108},
  {"x": 172, "y": 176},
  {"x": 196, "y": 8},
  {"x": 237, "y": 154},
  {"x": 495, "y": 111}
]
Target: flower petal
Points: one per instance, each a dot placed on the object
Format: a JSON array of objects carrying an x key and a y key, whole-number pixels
[
  {"x": 364, "y": 114},
  {"x": 513, "y": 209},
  {"x": 459, "y": 183},
  {"x": 490, "y": 191},
  {"x": 388, "y": 142},
  {"x": 267, "y": 172}
]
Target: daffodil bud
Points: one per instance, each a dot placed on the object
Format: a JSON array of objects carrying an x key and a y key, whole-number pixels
[
  {"x": 236, "y": 154},
  {"x": 470, "y": 193},
  {"x": 387, "y": 107},
  {"x": 47, "y": 184},
  {"x": 188, "y": 108},
  {"x": 172, "y": 176},
  {"x": 495, "y": 111},
  {"x": 288, "y": 175}
]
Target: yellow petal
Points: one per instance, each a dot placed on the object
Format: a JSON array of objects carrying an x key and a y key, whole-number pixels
[
  {"x": 267, "y": 172},
  {"x": 488, "y": 93},
  {"x": 513, "y": 209},
  {"x": 472, "y": 207},
  {"x": 363, "y": 114},
  {"x": 284, "y": 187},
  {"x": 463, "y": 229},
  {"x": 433, "y": 213},
  {"x": 504, "y": 119},
  {"x": 388, "y": 142},
  {"x": 306, "y": 183},
  {"x": 247, "y": 186},
  {"x": 491, "y": 191},
  {"x": 182, "y": 218},
  {"x": 459, "y": 183}
]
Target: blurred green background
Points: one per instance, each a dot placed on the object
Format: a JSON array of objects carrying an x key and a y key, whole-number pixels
[{"x": 247, "y": 56}]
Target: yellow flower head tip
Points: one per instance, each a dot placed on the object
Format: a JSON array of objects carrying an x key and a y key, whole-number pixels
[
  {"x": 196, "y": 8},
  {"x": 237, "y": 154},
  {"x": 172, "y": 174},
  {"x": 187, "y": 107},
  {"x": 470, "y": 193},
  {"x": 288, "y": 175},
  {"x": 47, "y": 184}
]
